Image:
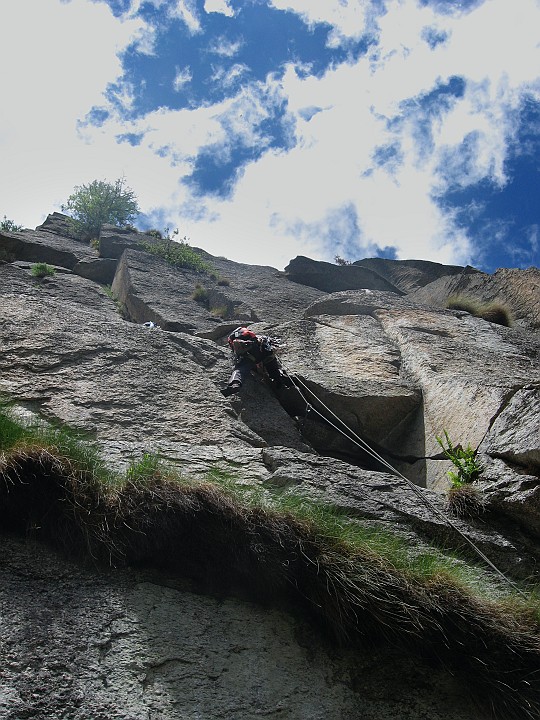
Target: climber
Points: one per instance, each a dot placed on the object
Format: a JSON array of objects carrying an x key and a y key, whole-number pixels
[{"x": 251, "y": 350}]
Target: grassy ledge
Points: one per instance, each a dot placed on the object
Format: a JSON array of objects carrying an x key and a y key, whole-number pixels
[
  {"x": 356, "y": 584},
  {"x": 178, "y": 254},
  {"x": 495, "y": 312}
]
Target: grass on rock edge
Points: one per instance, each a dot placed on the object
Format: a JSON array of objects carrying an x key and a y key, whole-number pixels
[{"x": 356, "y": 584}]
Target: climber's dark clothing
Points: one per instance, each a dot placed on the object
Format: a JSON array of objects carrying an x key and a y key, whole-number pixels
[
  {"x": 245, "y": 364},
  {"x": 250, "y": 350}
]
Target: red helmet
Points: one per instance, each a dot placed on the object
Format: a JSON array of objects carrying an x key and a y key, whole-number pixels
[{"x": 241, "y": 333}]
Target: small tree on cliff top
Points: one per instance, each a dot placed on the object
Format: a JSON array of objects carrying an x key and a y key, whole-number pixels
[
  {"x": 7, "y": 225},
  {"x": 100, "y": 202}
]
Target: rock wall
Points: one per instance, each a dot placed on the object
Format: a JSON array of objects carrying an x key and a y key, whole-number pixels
[
  {"x": 77, "y": 644},
  {"x": 371, "y": 345}
]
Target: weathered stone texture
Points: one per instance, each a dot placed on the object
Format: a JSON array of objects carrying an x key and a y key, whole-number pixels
[
  {"x": 409, "y": 275},
  {"x": 77, "y": 644},
  {"x": 353, "y": 368},
  {"x": 153, "y": 290},
  {"x": 519, "y": 290},
  {"x": 397, "y": 371},
  {"x": 68, "y": 353},
  {"x": 516, "y": 431},
  {"x": 333, "y": 278},
  {"x": 37, "y": 246}
]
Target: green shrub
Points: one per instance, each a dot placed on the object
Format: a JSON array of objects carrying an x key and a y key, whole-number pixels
[
  {"x": 100, "y": 202},
  {"x": 341, "y": 261},
  {"x": 154, "y": 233},
  {"x": 41, "y": 270},
  {"x": 7, "y": 225},
  {"x": 468, "y": 468},
  {"x": 177, "y": 254}
]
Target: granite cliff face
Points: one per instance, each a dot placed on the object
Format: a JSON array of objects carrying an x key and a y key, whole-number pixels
[{"x": 371, "y": 341}]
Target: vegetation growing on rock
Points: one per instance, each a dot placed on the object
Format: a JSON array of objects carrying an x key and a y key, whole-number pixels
[
  {"x": 7, "y": 225},
  {"x": 92, "y": 206},
  {"x": 178, "y": 254},
  {"x": 464, "y": 500},
  {"x": 41, "y": 270},
  {"x": 341, "y": 261},
  {"x": 358, "y": 585},
  {"x": 392, "y": 368},
  {"x": 495, "y": 312},
  {"x": 200, "y": 294},
  {"x": 463, "y": 459}
]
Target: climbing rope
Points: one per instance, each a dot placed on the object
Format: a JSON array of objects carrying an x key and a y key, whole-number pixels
[{"x": 362, "y": 444}]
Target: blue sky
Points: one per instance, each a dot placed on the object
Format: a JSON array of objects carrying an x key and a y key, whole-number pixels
[{"x": 266, "y": 129}]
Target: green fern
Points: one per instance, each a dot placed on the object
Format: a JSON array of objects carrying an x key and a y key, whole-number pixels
[{"x": 468, "y": 467}]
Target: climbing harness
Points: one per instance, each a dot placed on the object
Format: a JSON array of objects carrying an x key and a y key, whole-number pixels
[{"x": 363, "y": 445}]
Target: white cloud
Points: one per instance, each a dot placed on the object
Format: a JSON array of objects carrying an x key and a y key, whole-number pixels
[
  {"x": 227, "y": 77},
  {"x": 495, "y": 48},
  {"x": 293, "y": 194},
  {"x": 186, "y": 10},
  {"x": 60, "y": 58},
  {"x": 349, "y": 18},
  {"x": 225, "y": 47},
  {"x": 183, "y": 77},
  {"x": 218, "y": 6},
  {"x": 330, "y": 184}
]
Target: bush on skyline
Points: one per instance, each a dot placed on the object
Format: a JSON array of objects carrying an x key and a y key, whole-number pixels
[{"x": 92, "y": 206}]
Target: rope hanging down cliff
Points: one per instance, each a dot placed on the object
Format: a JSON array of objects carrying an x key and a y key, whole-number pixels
[{"x": 362, "y": 444}]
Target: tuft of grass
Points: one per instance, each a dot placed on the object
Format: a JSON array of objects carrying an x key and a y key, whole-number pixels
[
  {"x": 12, "y": 430},
  {"x": 200, "y": 294},
  {"x": 495, "y": 312},
  {"x": 498, "y": 313},
  {"x": 42, "y": 270},
  {"x": 220, "y": 311},
  {"x": 219, "y": 475},
  {"x": 349, "y": 536},
  {"x": 60, "y": 441},
  {"x": 460, "y": 302},
  {"x": 145, "y": 469},
  {"x": 465, "y": 501}
]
